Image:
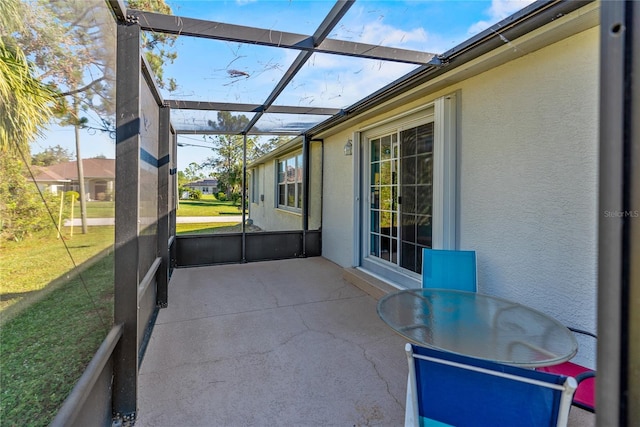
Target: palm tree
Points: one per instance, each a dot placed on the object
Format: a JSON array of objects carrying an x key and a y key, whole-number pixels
[{"x": 25, "y": 103}]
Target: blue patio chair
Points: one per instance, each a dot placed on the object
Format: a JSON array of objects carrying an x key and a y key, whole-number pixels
[
  {"x": 448, "y": 269},
  {"x": 446, "y": 389}
]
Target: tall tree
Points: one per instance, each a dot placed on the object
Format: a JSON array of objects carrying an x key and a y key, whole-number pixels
[
  {"x": 228, "y": 151},
  {"x": 25, "y": 107},
  {"x": 72, "y": 43},
  {"x": 193, "y": 172},
  {"x": 157, "y": 46},
  {"x": 25, "y": 102},
  {"x": 51, "y": 156}
]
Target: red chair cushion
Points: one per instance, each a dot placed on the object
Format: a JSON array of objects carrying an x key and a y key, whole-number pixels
[{"x": 585, "y": 396}]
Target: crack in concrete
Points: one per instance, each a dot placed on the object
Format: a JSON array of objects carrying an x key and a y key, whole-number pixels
[
  {"x": 361, "y": 347},
  {"x": 375, "y": 368},
  {"x": 267, "y": 290}
]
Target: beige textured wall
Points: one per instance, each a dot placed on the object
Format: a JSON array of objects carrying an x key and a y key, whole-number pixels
[
  {"x": 265, "y": 215},
  {"x": 527, "y": 180},
  {"x": 338, "y": 201}
]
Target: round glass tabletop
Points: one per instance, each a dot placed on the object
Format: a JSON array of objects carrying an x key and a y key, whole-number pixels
[{"x": 479, "y": 326}]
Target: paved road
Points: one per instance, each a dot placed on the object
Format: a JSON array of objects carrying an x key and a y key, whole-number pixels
[{"x": 180, "y": 220}]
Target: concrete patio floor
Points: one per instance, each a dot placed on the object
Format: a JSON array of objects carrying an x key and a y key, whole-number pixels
[{"x": 277, "y": 343}]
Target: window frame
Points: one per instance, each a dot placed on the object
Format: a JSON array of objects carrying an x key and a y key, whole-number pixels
[
  {"x": 291, "y": 180},
  {"x": 443, "y": 112},
  {"x": 255, "y": 186}
]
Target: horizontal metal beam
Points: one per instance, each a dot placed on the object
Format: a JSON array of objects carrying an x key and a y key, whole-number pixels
[
  {"x": 212, "y": 106},
  {"x": 148, "y": 278},
  {"x": 218, "y": 132},
  {"x": 328, "y": 23},
  {"x": 283, "y": 109},
  {"x": 247, "y": 108},
  {"x": 73, "y": 404},
  {"x": 179, "y": 25}
]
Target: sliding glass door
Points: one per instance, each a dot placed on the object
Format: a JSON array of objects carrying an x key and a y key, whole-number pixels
[{"x": 401, "y": 195}]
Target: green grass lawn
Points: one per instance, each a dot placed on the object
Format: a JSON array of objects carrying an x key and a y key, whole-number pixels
[
  {"x": 207, "y": 206},
  {"x": 30, "y": 265},
  {"x": 208, "y": 228},
  {"x": 46, "y": 345},
  {"x": 96, "y": 209}
]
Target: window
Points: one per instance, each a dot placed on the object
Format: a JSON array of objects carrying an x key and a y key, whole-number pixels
[
  {"x": 255, "y": 186},
  {"x": 290, "y": 182},
  {"x": 401, "y": 196}
]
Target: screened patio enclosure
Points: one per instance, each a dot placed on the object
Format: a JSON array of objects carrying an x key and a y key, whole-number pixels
[
  {"x": 149, "y": 124},
  {"x": 148, "y": 127},
  {"x": 266, "y": 118}
]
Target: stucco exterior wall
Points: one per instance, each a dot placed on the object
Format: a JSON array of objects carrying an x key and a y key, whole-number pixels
[
  {"x": 265, "y": 213},
  {"x": 338, "y": 201},
  {"x": 528, "y": 176},
  {"x": 527, "y": 181}
]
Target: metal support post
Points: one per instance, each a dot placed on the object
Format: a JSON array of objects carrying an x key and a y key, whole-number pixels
[
  {"x": 125, "y": 388},
  {"x": 619, "y": 217},
  {"x": 306, "y": 174},
  {"x": 244, "y": 196},
  {"x": 164, "y": 141}
]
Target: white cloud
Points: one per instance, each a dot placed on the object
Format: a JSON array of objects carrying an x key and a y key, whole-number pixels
[
  {"x": 338, "y": 81},
  {"x": 245, "y": 2},
  {"x": 379, "y": 33},
  {"x": 498, "y": 10}
]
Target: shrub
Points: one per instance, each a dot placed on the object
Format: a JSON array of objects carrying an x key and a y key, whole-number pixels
[
  {"x": 22, "y": 210},
  {"x": 71, "y": 196},
  {"x": 195, "y": 194},
  {"x": 221, "y": 196},
  {"x": 236, "y": 197}
]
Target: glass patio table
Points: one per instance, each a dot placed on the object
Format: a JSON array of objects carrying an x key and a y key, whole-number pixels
[{"x": 478, "y": 325}]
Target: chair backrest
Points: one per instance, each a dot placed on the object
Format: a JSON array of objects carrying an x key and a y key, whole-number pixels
[
  {"x": 447, "y": 269},
  {"x": 450, "y": 389}
]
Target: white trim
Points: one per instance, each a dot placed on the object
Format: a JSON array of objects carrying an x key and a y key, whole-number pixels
[
  {"x": 443, "y": 113},
  {"x": 290, "y": 155},
  {"x": 443, "y": 223},
  {"x": 397, "y": 117},
  {"x": 357, "y": 206},
  {"x": 289, "y": 211}
]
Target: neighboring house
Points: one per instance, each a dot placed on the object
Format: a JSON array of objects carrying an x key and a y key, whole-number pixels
[
  {"x": 495, "y": 152},
  {"x": 207, "y": 186},
  {"x": 99, "y": 178}
]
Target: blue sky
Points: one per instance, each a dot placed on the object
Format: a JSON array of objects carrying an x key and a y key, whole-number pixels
[{"x": 205, "y": 69}]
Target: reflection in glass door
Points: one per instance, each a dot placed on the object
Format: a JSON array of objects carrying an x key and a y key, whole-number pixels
[
  {"x": 401, "y": 196},
  {"x": 383, "y": 234},
  {"x": 416, "y": 188}
]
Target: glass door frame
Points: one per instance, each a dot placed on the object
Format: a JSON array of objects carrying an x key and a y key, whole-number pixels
[{"x": 443, "y": 113}]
